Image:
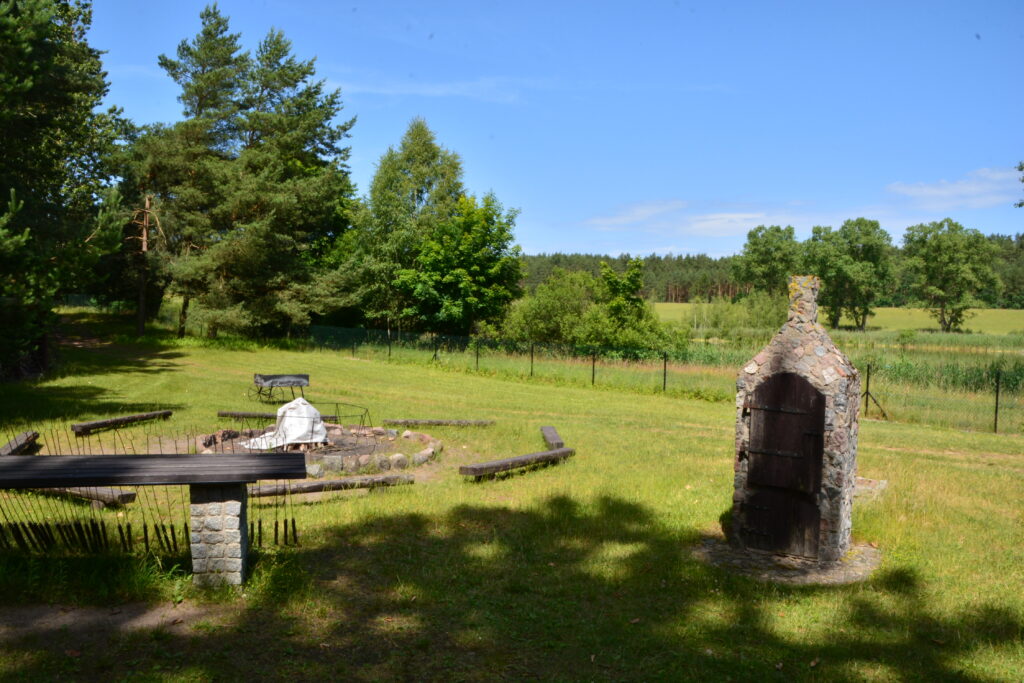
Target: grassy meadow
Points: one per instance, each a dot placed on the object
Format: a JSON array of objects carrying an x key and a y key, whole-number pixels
[
  {"x": 980, "y": 320},
  {"x": 577, "y": 572}
]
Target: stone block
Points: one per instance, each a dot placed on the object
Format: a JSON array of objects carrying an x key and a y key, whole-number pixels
[
  {"x": 334, "y": 463},
  {"x": 213, "y": 523},
  {"x": 231, "y": 507},
  {"x": 315, "y": 471},
  {"x": 399, "y": 461},
  {"x": 234, "y": 550},
  {"x": 211, "y": 537}
]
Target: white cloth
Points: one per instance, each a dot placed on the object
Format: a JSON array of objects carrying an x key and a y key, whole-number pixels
[{"x": 297, "y": 422}]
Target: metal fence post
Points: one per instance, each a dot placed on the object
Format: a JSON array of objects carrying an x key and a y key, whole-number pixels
[
  {"x": 593, "y": 368},
  {"x": 531, "y": 359},
  {"x": 478, "y": 355},
  {"x": 995, "y": 422},
  {"x": 867, "y": 391},
  {"x": 664, "y": 372}
]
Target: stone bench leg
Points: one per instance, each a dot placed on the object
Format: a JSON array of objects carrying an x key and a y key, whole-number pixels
[{"x": 219, "y": 533}]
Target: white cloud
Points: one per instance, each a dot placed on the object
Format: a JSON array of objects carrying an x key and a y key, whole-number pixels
[
  {"x": 980, "y": 189},
  {"x": 715, "y": 224},
  {"x": 635, "y": 215}
]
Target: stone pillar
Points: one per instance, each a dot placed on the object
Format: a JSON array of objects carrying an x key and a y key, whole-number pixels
[{"x": 219, "y": 533}]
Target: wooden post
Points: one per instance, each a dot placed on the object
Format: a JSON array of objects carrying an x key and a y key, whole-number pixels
[
  {"x": 531, "y": 359},
  {"x": 867, "y": 390},
  {"x": 664, "y": 371},
  {"x": 995, "y": 422},
  {"x": 140, "y": 323},
  {"x": 593, "y": 368}
]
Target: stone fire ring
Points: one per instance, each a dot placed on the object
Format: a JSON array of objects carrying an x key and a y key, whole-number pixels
[{"x": 856, "y": 565}]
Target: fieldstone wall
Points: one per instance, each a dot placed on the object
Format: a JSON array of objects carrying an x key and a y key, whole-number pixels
[
  {"x": 803, "y": 347},
  {"x": 219, "y": 533}
]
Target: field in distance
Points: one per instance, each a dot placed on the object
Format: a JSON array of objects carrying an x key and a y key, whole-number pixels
[{"x": 983, "y": 320}]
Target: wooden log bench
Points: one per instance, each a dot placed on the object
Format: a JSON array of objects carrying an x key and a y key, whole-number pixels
[
  {"x": 264, "y": 386},
  {"x": 344, "y": 484},
  {"x": 217, "y": 493},
  {"x": 485, "y": 469},
  {"x": 242, "y": 415},
  {"x": 551, "y": 437},
  {"x": 439, "y": 423},
  {"x": 22, "y": 443},
  {"x": 86, "y": 428}
]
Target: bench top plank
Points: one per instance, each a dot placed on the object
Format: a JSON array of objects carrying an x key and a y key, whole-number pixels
[
  {"x": 262, "y": 380},
  {"x": 53, "y": 471}
]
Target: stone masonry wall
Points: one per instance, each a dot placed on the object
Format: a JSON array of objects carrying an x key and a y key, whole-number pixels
[
  {"x": 219, "y": 533},
  {"x": 803, "y": 347}
]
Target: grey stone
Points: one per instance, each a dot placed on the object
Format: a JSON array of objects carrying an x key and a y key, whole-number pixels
[
  {"x": 234, "y": 550},
  {"x": 420, "y": 459},
  {"x": 231, "y": 523},
  {"x": 350, "y": 463},
  {"x": 212, "y": 537},
  {"x": 399, "y": 461},
  {"x": 214, "y": 523},
  {"x": 232, "y": 507},
  {"x": 383, "y": 463},
  {"x": 199, "y": 551},
  {"x": 365, "y": 459},
  {"x": 334, "y": 463},
  {"x": 314, "y": 471}
]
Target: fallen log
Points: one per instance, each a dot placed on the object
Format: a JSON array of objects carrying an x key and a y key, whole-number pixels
[
  {"x": 85, "y": 428},
  {"x": 102, "y": 494},
  {"x": 367, "y": 482},
  {"x": 20, "y": 444},
  {"x": 551, "y": 437},
  {"x": 486, "y": 468},
  {"x": 440, "y": 423},
  {"x": 240, "y": 415}
]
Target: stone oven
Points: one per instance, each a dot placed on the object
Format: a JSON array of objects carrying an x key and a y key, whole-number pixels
[{"x": 796, "y": 439}]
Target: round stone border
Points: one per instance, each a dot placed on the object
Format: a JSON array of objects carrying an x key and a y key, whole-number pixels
[{"x": 857, "y": 565}]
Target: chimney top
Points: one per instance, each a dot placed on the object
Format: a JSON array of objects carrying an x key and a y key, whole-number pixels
[{"x": 803, "y": 298}]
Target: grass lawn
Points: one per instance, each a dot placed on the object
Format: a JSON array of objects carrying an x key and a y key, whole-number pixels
[
  {"x": 980, "y": 320},
  {"x": 577, "y": 572}
]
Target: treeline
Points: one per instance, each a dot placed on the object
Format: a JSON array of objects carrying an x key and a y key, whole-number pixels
[{"x": 244, "y": 212}]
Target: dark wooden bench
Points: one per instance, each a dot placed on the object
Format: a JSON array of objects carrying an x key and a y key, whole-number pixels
[
  {"x": 439, "y": 423},
  {"x": 22, "y": 443},
  {"x": 61, "y": 471},
  {"x": 264, "y": 386},
  {"x": 86, "y": 428},
  {"x": 551, "y": 437},
  {"x": 495, "y": 466},
  {"x": 241, "y": 415}
]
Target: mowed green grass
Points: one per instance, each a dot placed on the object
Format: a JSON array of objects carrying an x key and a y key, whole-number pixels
[
  {"x": 982, "y": 320},
  {"x": 577, "y": 572}
]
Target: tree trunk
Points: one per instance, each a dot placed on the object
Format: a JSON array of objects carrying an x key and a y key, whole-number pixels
[{"x": 183, "y": 317}]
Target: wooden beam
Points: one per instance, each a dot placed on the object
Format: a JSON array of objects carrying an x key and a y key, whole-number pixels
[
  {"x": 241, "y": 415},
  {"x": 59, "y": 471},
  {"x": 85, "y": 428},
  {"x": 19, "y": 444},
  {"x": 495, "y": 466},
  {"x": 319, "y": 485},
  {"x": 104, "y": 494},
  {"x": 551, "y": 437},
  {"x": 440, "y": 423}
]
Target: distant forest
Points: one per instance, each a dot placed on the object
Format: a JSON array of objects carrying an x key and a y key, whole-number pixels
[{"x": 680, "y": 279}]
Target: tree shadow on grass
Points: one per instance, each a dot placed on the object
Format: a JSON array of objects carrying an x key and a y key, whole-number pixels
[{"x": 559, "y": 591}]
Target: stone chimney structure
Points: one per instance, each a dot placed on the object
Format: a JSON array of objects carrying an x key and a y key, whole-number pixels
[{"x": 797, "y": 404}]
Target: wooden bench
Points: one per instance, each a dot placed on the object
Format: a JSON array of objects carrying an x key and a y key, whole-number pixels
[
  {"x": 495, "y": 466},
  {"x": 217, "y": 490},
  {"x": 86, "y": 428},
  {"x": 265, "y": 385},
  {"x": 551, "y": 437},
  {"x": 439, "y": 423},
  {"x": 22, "y": 443}
]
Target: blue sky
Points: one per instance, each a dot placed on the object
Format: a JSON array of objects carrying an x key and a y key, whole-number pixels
[{"x": 654, "y": 126}]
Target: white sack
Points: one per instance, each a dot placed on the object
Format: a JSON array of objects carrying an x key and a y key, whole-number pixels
[{"x": 297, "y": 422}]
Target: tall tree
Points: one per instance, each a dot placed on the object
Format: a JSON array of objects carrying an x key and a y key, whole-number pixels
[
  {"x": 950, "y": 264},
  {"x": 468, "y": 268},
  {"x": 54, "y": 166},
  {"x": 855, "y": 265},
  {"x": 770, "y": 255},
  {"x": 416, "y": 187}
]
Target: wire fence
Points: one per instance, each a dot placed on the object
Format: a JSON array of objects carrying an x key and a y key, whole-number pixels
[{"x": 948, "y": 391}]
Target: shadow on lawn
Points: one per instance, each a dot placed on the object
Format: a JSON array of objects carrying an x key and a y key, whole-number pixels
[
  {"x": 81, "y": 355},
  {"x": 557, "y": 592}
]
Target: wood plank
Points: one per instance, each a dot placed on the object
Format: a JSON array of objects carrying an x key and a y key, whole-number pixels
[
  {"x": 440, "y": 423},
  {"x": 495, "y": 466},
  {"x": 276, "y": 381},
  {"x": 84, "y": 428},
  {"x": 19, "y": 444},
  {"x": 241, "y": 415},
  {"x": 551, "y": 437},
  {"x": 104, "y": 494},
  {"x": 58, "y": 471},
  {"x": 367, "y": 482}
]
